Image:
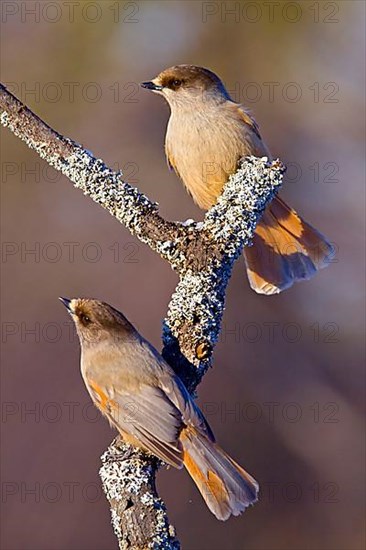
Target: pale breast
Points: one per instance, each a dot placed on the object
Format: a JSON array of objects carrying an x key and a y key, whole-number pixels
[{"x": 204, "y": 148}]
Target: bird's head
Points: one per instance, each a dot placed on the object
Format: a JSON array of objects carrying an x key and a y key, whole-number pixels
[
  {"x": 97, "y": 321},
  {"x": 186, "y": 85}
]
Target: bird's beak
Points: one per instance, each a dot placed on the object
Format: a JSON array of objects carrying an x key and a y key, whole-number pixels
[
  {"x": 150, "y": 85},
  {"x": 67, "y": 304}
]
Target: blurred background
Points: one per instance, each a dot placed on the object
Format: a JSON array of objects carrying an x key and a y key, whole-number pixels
[{"x": 285, "y": 397}]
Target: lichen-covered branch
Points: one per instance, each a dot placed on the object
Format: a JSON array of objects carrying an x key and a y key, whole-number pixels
[
  {"x": 139, "y": 516},
  {"x": 203, "y": 254},
  {"x": 105, "y": 186},
  {"x": 193, "y": 323}
]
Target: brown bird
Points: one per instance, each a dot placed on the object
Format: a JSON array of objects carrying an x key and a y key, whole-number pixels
[
  {"x": 139, "y": 393},
  {"x": 207, "y": 134}
]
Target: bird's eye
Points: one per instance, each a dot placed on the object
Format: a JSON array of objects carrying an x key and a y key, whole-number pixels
[
  {"x": 85, "y": 319},
  {"x": 176, "y": 83}
]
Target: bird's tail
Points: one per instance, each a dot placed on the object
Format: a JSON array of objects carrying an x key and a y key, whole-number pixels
[
  {"x": 285, "y": 249},
  {"x": 226, "y": 488}
]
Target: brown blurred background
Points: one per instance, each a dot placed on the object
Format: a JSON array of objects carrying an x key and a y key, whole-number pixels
[{"x": 285, "y": 397}]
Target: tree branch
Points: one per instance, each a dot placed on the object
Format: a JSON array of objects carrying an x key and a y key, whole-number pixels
[{"x": 203, "y": 254}]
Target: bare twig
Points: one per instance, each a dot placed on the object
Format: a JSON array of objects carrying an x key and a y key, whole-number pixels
[{"x": 202, "y": 254}]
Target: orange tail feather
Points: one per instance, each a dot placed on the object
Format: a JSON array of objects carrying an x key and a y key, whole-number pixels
[
  {"x": 285, "y": 249},
  {"x": 226, "y": 487}
]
